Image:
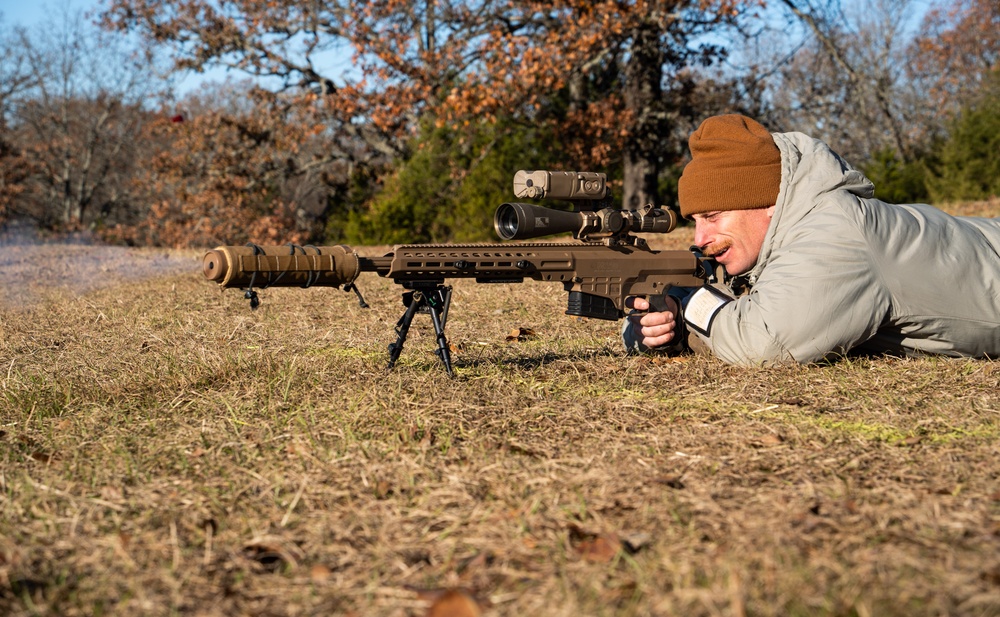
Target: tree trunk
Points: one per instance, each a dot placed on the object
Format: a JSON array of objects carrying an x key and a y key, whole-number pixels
[{"x": 643, "y": 92}]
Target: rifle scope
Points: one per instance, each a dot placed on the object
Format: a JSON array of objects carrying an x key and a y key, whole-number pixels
[{"x": 517, "y": 221}]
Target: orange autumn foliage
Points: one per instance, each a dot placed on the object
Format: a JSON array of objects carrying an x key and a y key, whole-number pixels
[
  {"x": 958, "y": 49},
  {"x": 370, "y": 70},
  {"x": 217, "y": 178}
]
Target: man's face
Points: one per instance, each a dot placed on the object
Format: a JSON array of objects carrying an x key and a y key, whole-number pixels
[{"x": 733, "y": 237}]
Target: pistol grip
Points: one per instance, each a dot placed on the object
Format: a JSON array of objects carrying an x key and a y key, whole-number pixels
[{"x": 658, "y": 302}]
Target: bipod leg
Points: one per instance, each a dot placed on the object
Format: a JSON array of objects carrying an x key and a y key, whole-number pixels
[
  {"x": 413, "y": 301},
  {"x": 440, "y": 300},
  {"x": 433, "y": 299}
]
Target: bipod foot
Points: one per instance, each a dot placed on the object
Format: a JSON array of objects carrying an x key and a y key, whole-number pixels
[
  {"x": 432, "y": 299},
  {"x": 254, "y": 299}
]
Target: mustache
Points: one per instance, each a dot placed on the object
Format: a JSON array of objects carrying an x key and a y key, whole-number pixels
[{"x": 713, "y": 249}]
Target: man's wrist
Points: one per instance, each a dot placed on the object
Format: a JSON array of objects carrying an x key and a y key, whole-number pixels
[{"x": 703, "y": 306}]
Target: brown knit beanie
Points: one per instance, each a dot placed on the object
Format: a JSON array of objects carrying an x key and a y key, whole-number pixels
[{"x": 734, "y": 166}]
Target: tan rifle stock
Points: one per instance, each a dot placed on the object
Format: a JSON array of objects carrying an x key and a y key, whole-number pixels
[{"x": 599, "y": 273}]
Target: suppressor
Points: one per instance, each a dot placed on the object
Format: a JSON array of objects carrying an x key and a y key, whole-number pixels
[{"x": 281, "y": 266}]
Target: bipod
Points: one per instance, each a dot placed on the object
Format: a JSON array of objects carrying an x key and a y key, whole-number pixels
[{"x": 431, "y": 298}]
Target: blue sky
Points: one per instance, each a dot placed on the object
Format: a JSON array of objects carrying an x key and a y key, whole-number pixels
[{"x": 32, "y": 13}]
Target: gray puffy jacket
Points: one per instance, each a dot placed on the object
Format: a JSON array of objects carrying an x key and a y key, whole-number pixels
[{"x": 840, "y": 270}]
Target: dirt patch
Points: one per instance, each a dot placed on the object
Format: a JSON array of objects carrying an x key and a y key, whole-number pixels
[{"x": 30, "y": 270}]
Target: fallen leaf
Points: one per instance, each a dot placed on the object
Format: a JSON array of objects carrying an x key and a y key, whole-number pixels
[
  {"x": 520, "y": 334},
  {"x": 768, "y": 441},
  {"x": 594, "y": 546},
  {"x": 382, "y": 489},
  {"x": 41, "y": 457},
  {"x": 600, "y": 549},
  {"x": 673, "y": 481},
  {"x": 272, "y": 553},
  {"x": 319, "y": 573},
  {"x": 663, "y": 359},
  {"x": 450, "y": 603}
]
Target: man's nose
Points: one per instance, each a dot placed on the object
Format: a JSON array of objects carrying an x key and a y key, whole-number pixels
[{"x": 701, "y": 236}]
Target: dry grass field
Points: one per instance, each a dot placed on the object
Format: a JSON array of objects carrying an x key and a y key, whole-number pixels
[{"x": 166, "y": 451}]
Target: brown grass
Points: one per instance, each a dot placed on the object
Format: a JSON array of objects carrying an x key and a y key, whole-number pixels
[{"x": 163, "y": 450}]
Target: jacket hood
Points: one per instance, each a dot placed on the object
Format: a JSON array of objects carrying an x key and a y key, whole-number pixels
[{"x": 810, "y": 170}]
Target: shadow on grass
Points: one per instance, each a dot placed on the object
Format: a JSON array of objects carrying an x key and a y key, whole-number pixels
[{"x": 531, "y": 362}]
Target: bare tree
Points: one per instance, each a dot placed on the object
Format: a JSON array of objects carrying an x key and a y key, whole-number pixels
[
  {"x": 15, "y": 78},
  {"x": 79, "y": 120},
  {"x": 846, "y": 80},
  {"x": 956, "y": 53}
]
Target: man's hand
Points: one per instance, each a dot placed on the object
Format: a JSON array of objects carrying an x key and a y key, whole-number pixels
[{"x": 653, "y": 329}]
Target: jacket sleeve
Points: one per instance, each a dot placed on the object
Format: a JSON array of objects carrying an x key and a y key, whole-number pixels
[{"x": 817, "y": 296}]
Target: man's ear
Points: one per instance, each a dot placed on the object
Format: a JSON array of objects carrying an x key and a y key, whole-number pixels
[{"x": 770, "y": 211}]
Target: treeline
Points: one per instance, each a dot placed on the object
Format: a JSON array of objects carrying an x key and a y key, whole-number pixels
[{"x": 404, "y": 120}]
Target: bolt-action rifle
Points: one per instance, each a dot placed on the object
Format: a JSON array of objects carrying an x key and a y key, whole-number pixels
[{"x": 607, "y": 265}]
